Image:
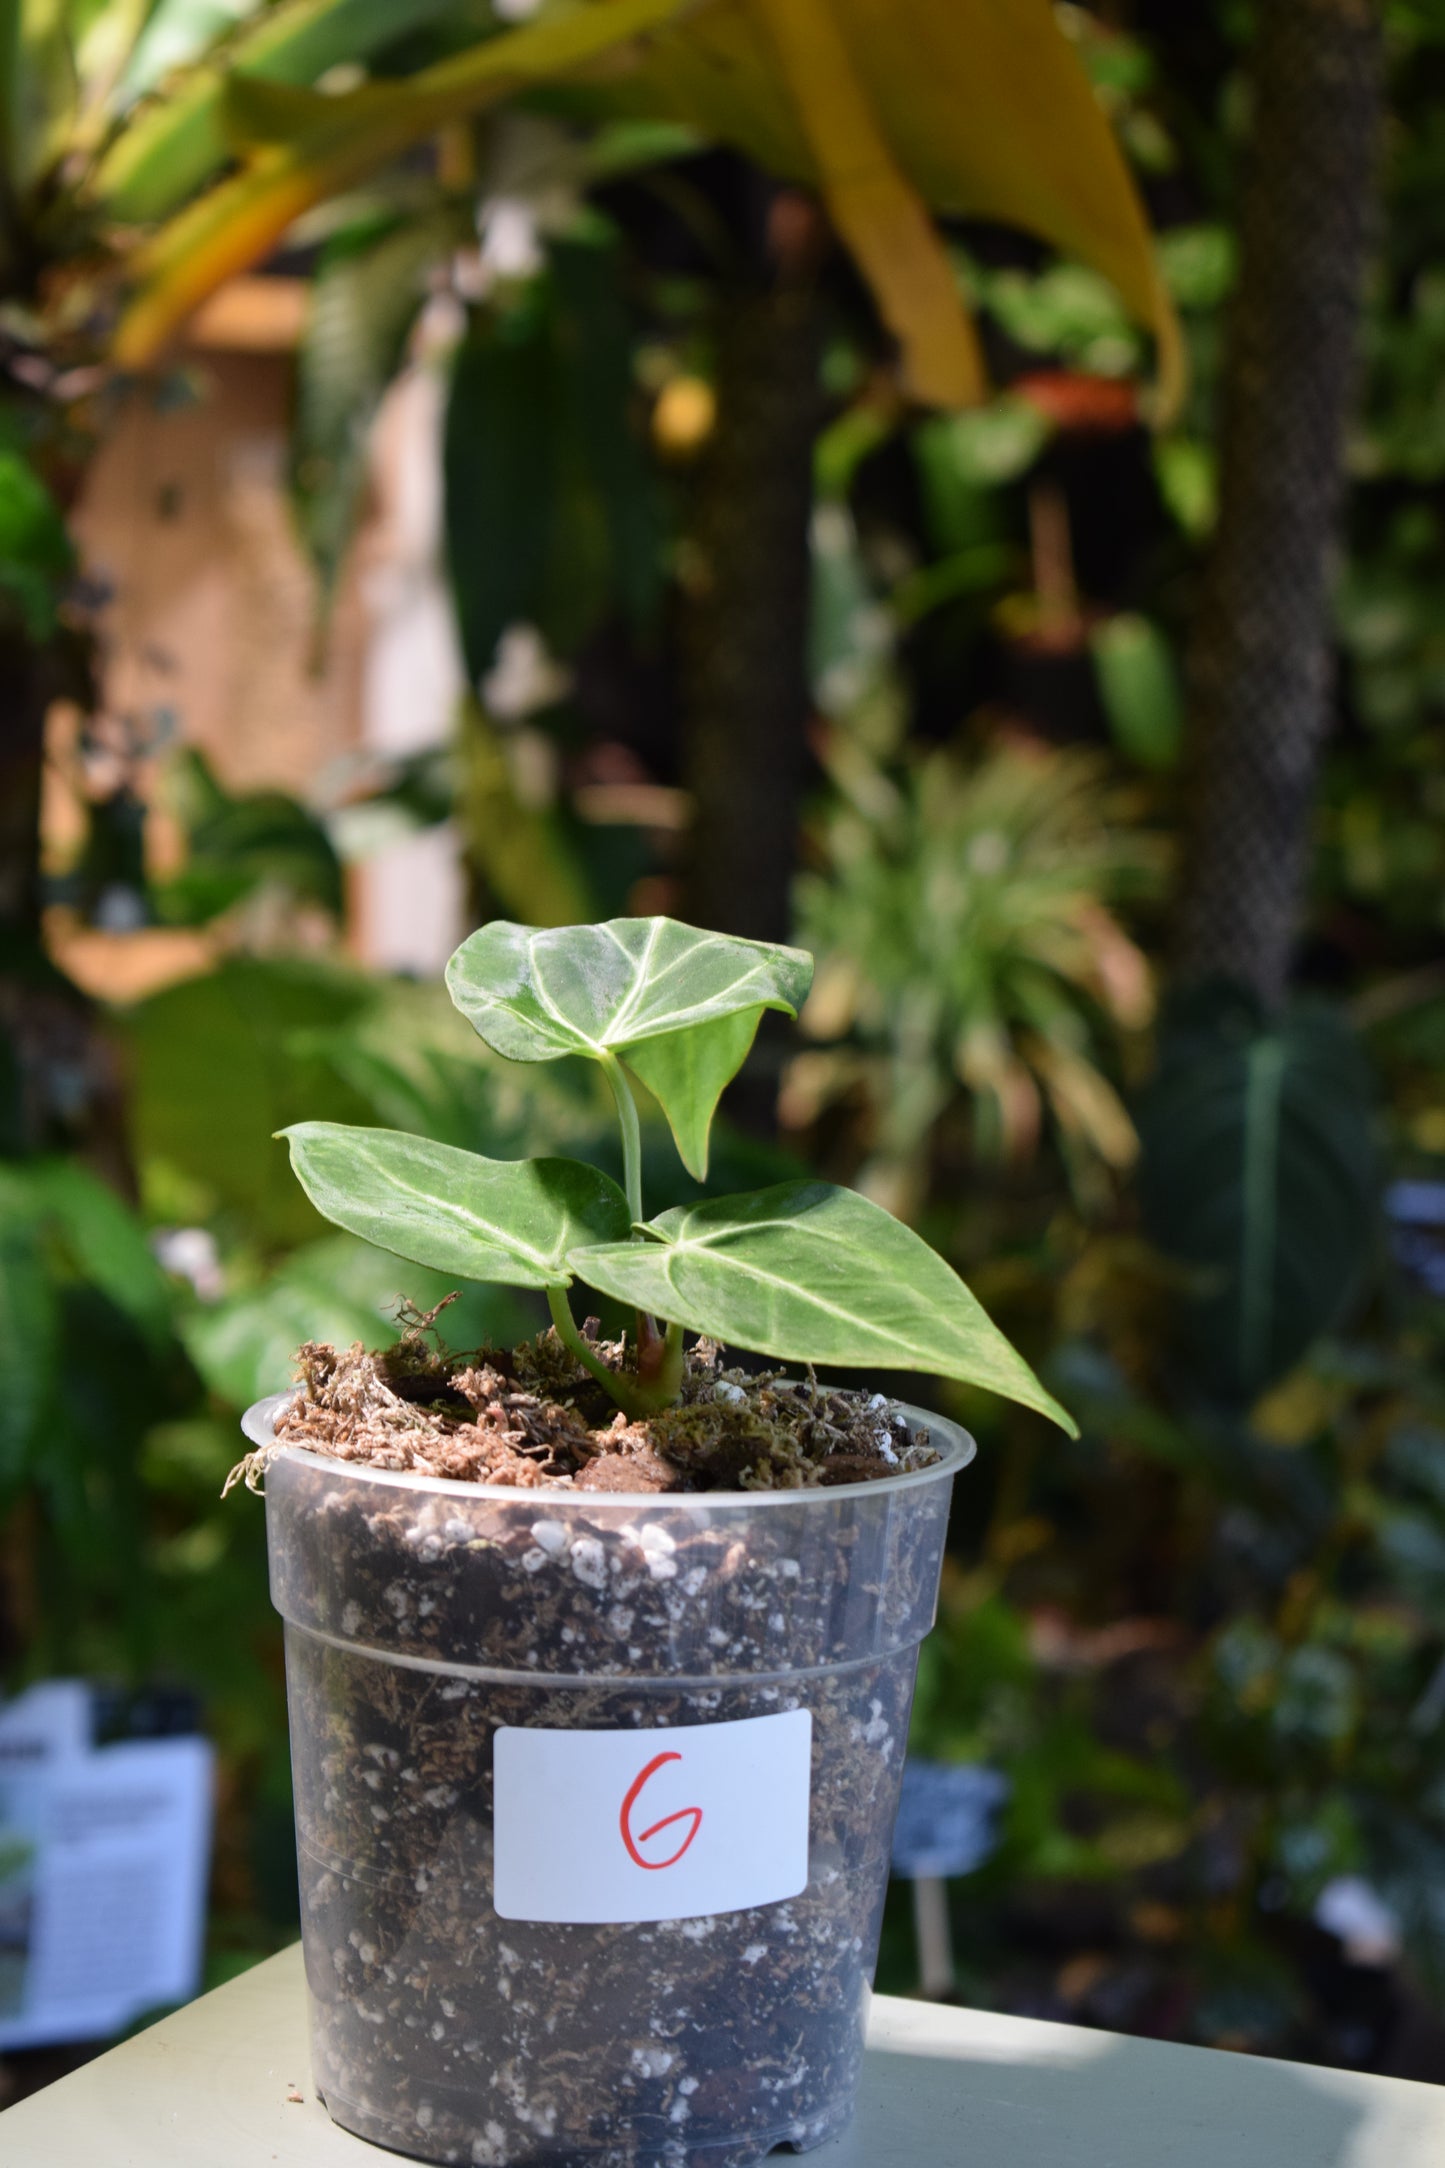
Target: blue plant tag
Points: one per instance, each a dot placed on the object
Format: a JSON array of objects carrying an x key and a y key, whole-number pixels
[{"x": 946, "y": 1818}]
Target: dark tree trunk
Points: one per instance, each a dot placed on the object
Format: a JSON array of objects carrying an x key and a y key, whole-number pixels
[
  {"x": 60, "y": 1088},
  {"x": 25, "y": 689},
  {"x": 745, "y": 677},
  {"x": 1261, "y": 652}
]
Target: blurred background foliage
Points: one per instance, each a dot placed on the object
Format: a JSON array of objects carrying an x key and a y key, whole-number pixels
[{"x": 1206, "y": 1644}]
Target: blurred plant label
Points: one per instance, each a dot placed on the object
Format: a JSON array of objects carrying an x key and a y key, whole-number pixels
[
  {"x": 103, "y": 1859},
  {"x": 672, "y": 1824},
  {"x": 945, "y": 1819}
]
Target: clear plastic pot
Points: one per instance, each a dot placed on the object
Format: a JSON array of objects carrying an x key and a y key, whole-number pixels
[{"x": 424, "y": 1618}]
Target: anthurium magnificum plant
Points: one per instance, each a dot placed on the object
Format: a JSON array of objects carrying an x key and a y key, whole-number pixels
[{"x": 801, "y": 1271}]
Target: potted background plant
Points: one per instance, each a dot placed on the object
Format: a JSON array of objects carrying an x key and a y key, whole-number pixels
[{"x": 600, "y": 1657}]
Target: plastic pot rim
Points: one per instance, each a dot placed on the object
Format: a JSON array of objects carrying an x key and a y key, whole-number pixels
[{"x": 956, "y": 1451}]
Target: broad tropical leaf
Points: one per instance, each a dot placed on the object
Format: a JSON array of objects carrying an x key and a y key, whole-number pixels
[
  {"x": 687, "y": 1073},
  {"x": 985, "y": 109},
  {"x": 875, "y": 207},
  {"x": 525, "y": 852},
  {"x": 963, "y": 105},
  {"x": 501, "y": 451},
  {"x": 595, "y": 337},
  {"x": 679, "y": 1006},
  {"x": 219, "y": 1062},
  {"x": 810, "y": 1273},
  {"x": 103, "y": 1243},
  {"x": 551, "y": 510},
  {"x": 488, "y": 1219},
  {"x": 1258, "y": 1173},
  {"x": 175, "y": 145},
  {"x": 236, "y": 223}
]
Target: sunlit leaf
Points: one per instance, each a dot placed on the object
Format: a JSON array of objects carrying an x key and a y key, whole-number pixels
[
  {"x": 875, "y": 207},
  {"x": 236, "y": 223},
  {"x": 986, "y": 110},
  {"x": 634, "y": 989},
  {"x": 486, "y": 1219},
  {"x": 961, "y": 105},
  {"x": 687, "y": 1073},
  {"x": 180, "y": 140},
  {"x": 809, "y": 1273}
]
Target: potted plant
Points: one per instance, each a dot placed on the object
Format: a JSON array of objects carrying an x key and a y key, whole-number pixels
[{"x": 599, "y": 1657}]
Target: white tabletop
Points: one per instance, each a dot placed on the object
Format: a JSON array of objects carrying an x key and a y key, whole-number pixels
[{"x": 217, "y": 2086}]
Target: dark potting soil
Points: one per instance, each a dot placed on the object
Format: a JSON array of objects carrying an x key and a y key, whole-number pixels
[{"x": 420, "y": 1622}]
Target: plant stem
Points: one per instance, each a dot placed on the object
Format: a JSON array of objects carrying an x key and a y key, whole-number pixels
[
  {"x": 572, "y": 1339},
  {"x": 659, "y": 1356},
  {"x": 642, "y": 1395},
  {"x": 631, "y": 1132},
  {"x": 657, "y": 1359},
  {"x": 659, "y": 1366}
]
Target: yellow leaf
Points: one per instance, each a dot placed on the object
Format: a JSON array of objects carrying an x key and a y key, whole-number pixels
[
  {"x": 238, "y": 222},
  {"x": 877, "y": 211},
  {"x": 973, "y": 107},
  {"x": 982, "y": 105}
]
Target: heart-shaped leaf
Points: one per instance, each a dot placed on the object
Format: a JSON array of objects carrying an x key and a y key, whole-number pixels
[
  {"x": 485, "y": 1219},
  {"x": 810, "y": 1273},
  {"x": 678, "y": 1005}
]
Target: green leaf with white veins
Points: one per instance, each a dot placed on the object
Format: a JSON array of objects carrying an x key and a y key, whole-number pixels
[
  {"x": 486, "y": 1219},
  {"x": 810, "y": 1273},
  {"x": 678, "y": 1006}
]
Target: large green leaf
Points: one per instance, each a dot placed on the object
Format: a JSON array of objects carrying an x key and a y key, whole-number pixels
[
  {"x": 810, "y": 1273},
  {"x": 594, "y": 337},
  {"x": 551, "y": 507},
  {"x": 488, "y": 1219},
  {"x": 37, "y": 556},
  {"x": 679, "y": 1006},
  {"x": 1258, "y": 1173},
  {"x": 104, "y": 1243},
  {"x": 220, "y": 1062},
  {"x": 500, "y": 460}
]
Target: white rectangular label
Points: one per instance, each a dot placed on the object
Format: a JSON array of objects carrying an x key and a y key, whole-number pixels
[{"x": 671, "y": 1824}]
